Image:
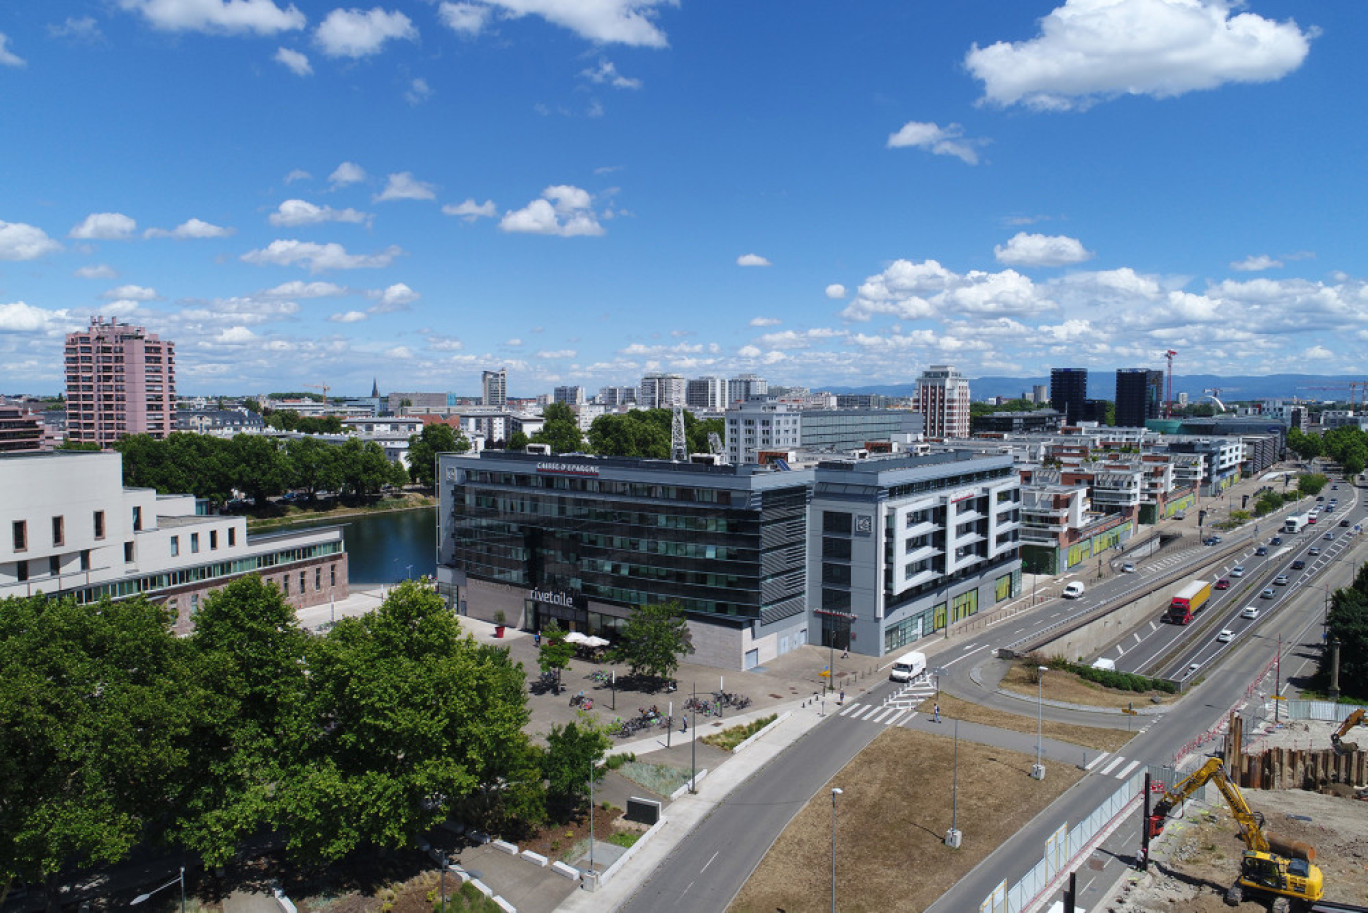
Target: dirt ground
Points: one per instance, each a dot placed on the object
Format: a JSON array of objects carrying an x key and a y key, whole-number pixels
[
  {"x": 1301, "y": 734},
  {"x": 1087, "y": 736},
  {"x": 1198, "y": 857},
  {"x": 1069, "y": 688},
  {"x": 891, "y": 831}
]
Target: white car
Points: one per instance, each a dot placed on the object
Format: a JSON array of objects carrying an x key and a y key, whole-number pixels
[
  {"x": 1128, "y": 568},
  {"x": 1250, "y": 612},
  {"x": 1237, "y": 570},
  {"x": 1225, "y": 636}
]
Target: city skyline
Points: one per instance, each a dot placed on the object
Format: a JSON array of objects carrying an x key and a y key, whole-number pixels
[{"x": 584, "y": 193}]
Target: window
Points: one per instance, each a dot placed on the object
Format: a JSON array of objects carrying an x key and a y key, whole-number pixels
[
  {"x": 839, "y": 549},
  {"x": 137, "y": 518},
  {"x": 836, "y": 573},
  {"x": 194, "y": 543},
  {"x": 213, "y": 539},
  {"x": 285, "y": 582},
  {"x": 175, "y": 546},
  {"x": 194, "y": 603},
  {"x": 318, "y": 579},
  {"x": 303, "y": 583},
  {"x": 232, "y": 537},
  {"x": 128, "y": 552},
  {"x": 332, "y": 575},
  {"x": 55, "y": 565},
  {"x": 99, "y": 524},
  {"x": 58, "y": 530},
  {"x": 20, "y": 536},
  {"x": 21, "y": 571},
  {"x": 836, "y": 523},
  {"x": 85, "y": 559}
]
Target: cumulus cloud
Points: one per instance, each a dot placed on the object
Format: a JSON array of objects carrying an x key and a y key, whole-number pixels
[
  {"x": 84, "y": 30},
  {"x": 300, "y": 289},
  {"x": 1254, "y": 264},
  {"x": 1089, "y": 50},
  {"x": 396, "y": 297},
  {"x": 1041, "y": 250},
  {"x": 938, "y": 140},
  {"x": 192, "y": 228},
  {"x": 263, "y": 17},
  {"x": 916, "y": 291},
  {"x": 296, "y": 61},
  {"x": 318, "y": 257},
  {"x": 349, "y": 317},
  {"x": 629, "y": 22},
  {"x": 836, "y": 290},
  {"x": 105, "y": 226},
  {"x": 563, "y": 210},
  {"x": 765, "y": 321},
  {"x": 347, "y": 173},
  {"x": 298, "y": 174},
  {"x": 404, "y": 186},
  {"x": 355, "y": 33},
  {"x": 19, "y": 317},
  {"x": 470, "y": 210},
  {"x": 418, "y": 92},
  {"x": 606, "y": 74},
  {"x": 132, "y": 293},
  {"x": 19, "y": 241},
  {"x": 302, "y": 212},
  {"x": 7, "y": 57},
  {"x": 464, "y": 18},
  {"x": 751, "y": 260},
  {"x": 557, "y": 353},
  {"x": 235, "y": 336},
  {"x": 94, "y": 271}
]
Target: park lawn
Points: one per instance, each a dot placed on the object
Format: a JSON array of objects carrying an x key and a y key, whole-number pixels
[
  {"x": 891, "y": 822},
  {"x": 1087, "y": 736}
]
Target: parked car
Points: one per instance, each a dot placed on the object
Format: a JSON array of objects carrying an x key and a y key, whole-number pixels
[
  {"x": 1225, "y": 637},
  {"x": 1250, "y": 612},
  {"x": 1223, "y": 584},
  {"x": 1298, "y": 564},
  {"x": 1237, "y": 570}
]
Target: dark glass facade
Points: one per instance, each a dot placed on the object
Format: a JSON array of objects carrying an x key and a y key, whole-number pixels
[
  {"x": 1139, "y": 392},
  {"x": 1068, "y": 391}
]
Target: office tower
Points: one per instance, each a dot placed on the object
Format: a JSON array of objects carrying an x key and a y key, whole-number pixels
[
  {"x": 494, "y": 388},
  {"x": 1068, "y": 391},
  {"x": 743, "y": 387},
  {"x": 573, "y": 396},
  {"x": 1139, "y": 392},
  {"x": 942, "y": 398},
  {"x": 120, "y": 380}
]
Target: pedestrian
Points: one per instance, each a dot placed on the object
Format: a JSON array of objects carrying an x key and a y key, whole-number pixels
[
  {"x": 845, "y": 654},
  {"x": 936, "y": 711},
  {"x": 684, "y": 718},
  {"x": 842, "y": 700},
  {"x": 536, "y": 639}
]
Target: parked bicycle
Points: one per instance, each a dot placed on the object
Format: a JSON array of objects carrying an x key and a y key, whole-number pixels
[{"x": 582, "y": 701}]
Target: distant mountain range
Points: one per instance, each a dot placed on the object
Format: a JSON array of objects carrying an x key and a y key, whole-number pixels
[{"x": 1102, "y": 385}]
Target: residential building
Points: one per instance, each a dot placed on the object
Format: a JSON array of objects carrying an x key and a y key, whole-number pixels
[
  {"x": 706, "y": 394},
  {"x": 1068, "y": 393},
  {"x": 572, "y": 396},
  {"x": 1040, "y": 394},
  {"x": 617, "y": 397},
  {"x": 1139, "y": 395},
  {"x": 120, "y": 380},
  {"x": 68, "y": 527},
  {"x": 662, "y": 391},
  {"x": 20, "y": 430},
  {"x": 1039, "y": 421},
  {"x": 744, "y": 388},
  {"x": 752, "y": 428},
  {"x": 755, "y": 427},
  {"x": 861, "y": 401},
  {"x": 494, "y": 388},
  {"x": 221, "y": 422},
  {"x": 414, "y": 403},
  {"x": 942, "y": 397}
]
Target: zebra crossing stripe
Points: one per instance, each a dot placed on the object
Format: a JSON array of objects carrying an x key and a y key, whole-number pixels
[
  {"x": 867, "y": 714},
  {"x": 1097, "y": 760},
  {"x": 885, "y": 715},
  {"x": 1126, "y": 772},
  {"x": 895, "y": 720},
  {"x": 848, "y": 709},
  {"x": 1116, "y": 759}
]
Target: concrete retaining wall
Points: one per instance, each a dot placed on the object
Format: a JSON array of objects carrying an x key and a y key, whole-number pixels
[{"x": 1102, "y": 632}]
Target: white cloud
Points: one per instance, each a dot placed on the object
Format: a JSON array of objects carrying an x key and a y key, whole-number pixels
[
  {"x": 606, "y": 73},
  {"x": 296, "y": 61},
  {"x": 97, "y": 271},
  {"x": 513, "y": 342},
  {"x": 7, "y": 57},
  {"x": 396, "y": 297},
  {"x": 627, "y": 22},
  {"x": 418, "y": 92},
  {"x": 349, "y": 317},
  {"x": 300, "y": 289},
  {"x": 765, "y": 322},
  {"x": 347, "y": 173},
  {"x": 927, "y": 290},
  {"x": 563, "y": 210},
  {"x": 464, "y": 18},
  {"x": 132, "y": 292},
  {"x": 301, "y": 212},
  {"x": 318, "y": 257},
  {"x": 557, "y": 353},
  {"x": 105, "y": 226},
  {"x": 938, "y": 140},
  {"x": 84, "y": 30},
  {"x": 235, "y": 336},
  {"x": 192, "y": 228},
  {"x": 836, "y": 290},
  {"x": 399, "y": 353},
  {"x": 1256, "y": 264},
  {"x": 263, "y": 17},
  {"x": 751, "y": 260},
  {"x": 18, "y": 317},
  {"x": 1041, "y": 250},
  {"x": 298, "y": 174},
  {"x": 19, "y": 241},
  {"x": 470, "y": 210},
  {"x": 354, "y": 33},
  {"x": 403, "y": 186},
  {"x": 1089, "y": 50}
]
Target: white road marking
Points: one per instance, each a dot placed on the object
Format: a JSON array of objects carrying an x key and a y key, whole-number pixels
[
  {"x": 1128, "y": 768},
  {"x": 1116, "y": 759},
  {"x": 709, "y": 862},
  {"x": 897, "y": 719},
  {"x": 1097, "y": 760}
]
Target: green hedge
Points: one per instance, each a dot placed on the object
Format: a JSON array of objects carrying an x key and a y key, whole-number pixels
[{"x": 1121, "y": 681}]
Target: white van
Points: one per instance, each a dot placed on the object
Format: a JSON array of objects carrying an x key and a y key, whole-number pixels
[
  {"x": 1073, "y": 590},
  {"x": 908, "y": 666},
  {"x": 1108, "y": 665}
]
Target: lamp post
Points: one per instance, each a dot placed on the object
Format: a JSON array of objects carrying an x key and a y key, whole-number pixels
[
  {"x": 835, "y": 791},
  {"x": 953, "y": 837},
  {"x": 1038, "y": 772},
  {"x": 180, "y": 878}
]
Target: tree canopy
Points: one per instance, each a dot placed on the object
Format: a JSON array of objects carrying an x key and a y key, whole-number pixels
[
  {"x": 653, "y": 640},
  {"x": 646, "y": 433},
  {"x": 424, "y": 447},
  {"x": 1348, "y": 623},
  {"x": 560, "y": 429}
]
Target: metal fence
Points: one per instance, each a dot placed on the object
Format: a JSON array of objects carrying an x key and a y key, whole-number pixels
[{"x": 1324, "y": 711}]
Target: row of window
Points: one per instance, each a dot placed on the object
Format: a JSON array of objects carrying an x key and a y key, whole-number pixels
[
  {"x": 22, "y": 568},
  {"x": 195, "y": 541},
  {"x": 150, "y": 583},
  {"x": 20, "y": 536},
  {"x": 600, "y": 486}
]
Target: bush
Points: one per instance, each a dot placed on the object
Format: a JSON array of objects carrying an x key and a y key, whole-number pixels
[
  {"x": 614, "y": 761},
  {"x": 1121, "y": 681},
  {"x": 728, "y": 739}
]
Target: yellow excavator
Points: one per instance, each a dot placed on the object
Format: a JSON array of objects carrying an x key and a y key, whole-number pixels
[
  {"x": 1280, "y": 871},
  {"x": 1354, "y": 719}
]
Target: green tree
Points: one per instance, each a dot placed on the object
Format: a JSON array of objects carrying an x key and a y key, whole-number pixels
[
  {"x": 1310, "y": 484},
  {"x": 257, "y": 466},
  {"x": 364, "y": 468},
  {"x": 1305, "y": 446},
  {"x": 423, "y": 449},
  {"x": 573, "y": 753},
  {"x": 640, "y": 433},
  {"x": 517, "y": 441},
  {"x": 313, "y": 465},
  {"x": 560, "y": 430},
  {"x": 555, "y": 652},
  {"x": 96, "y": 703},
  {"x": 653, "y": 640},
  {"x": 78, "y": 445},
  {"x": 1347, "y": 622}
]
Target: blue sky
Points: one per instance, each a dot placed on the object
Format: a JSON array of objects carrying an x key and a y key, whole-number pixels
[{"x": 824, "y": 193}]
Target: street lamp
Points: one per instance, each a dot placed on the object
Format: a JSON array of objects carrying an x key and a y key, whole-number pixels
[
  {"x": 180, "y": 878},
  {"x": 1038, "y": 772},
  {"x": 835, "y": 791},
  {"x": 953, "y": 837}
]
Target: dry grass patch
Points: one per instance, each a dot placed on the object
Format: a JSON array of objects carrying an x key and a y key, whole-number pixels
[
  {"x": 1089, "y": 737},
  {"x": 1069, "y": 688},
  {"x": 893, "y": 814}
]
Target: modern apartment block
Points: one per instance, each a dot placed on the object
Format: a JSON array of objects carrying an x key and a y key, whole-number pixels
[
  {"x": 571, "y": 396},
  {"x": 20, "y": 430},
  {"x": 942, "y": 397},
  {"x": 662, "y": 391},
  {"x": 744, "y": 387},
  {"x": 120, "y": 380},
  {"x": 754, "y": 427},
  {"x": 494, "y": 388},
  {"x": 1069, "y": 393},
  {"x": 68, "y": 527},
  {"x": 615, "y": 397},
  {"x": 1139, "y": 394},
  {"x": 706, "y": 394}
]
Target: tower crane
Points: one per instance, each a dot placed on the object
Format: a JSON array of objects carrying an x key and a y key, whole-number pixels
[
  {"x": 324, "y": 387},
  {"x": 1168, "y": 396}
]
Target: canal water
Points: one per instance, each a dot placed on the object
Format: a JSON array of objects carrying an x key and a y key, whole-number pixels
[{"x": 387, "y": 547}]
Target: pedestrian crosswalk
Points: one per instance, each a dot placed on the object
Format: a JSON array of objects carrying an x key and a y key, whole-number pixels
[{"x": 1115, "y": 766}]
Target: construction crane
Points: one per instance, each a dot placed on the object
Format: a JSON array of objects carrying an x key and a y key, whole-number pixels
[
  {"x": 715, "y": 446},
  {"x": 1214, "y": 394},
  {"x": 679, "y": 443},
  {"x": 1354, "y": 719},
  {"x": 1353, "y": 387},
  {"x": 1168, "y": 397},
  {"x": 1279, "y": 870},
  {"x": 324, "y": 387}
]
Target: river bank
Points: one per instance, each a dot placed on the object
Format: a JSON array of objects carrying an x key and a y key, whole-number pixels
[{"x": 296, "y": 516}]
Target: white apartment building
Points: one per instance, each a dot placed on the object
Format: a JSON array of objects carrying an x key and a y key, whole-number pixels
[
  {"x": 706, "y": 394},
  {"x": 753, "y": 427},
  {"x": 662, "y": 391},
  {"x": 942, "y": 397},
  {"x": 743, "y": 387},
  {"x": 572, "y": 396},
  {"x": 494, "y": 388}
]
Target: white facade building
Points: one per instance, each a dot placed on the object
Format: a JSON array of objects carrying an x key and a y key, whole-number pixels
[
  {"x": 662, "y": 391},
  {"x": 942, "y": 397}
]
